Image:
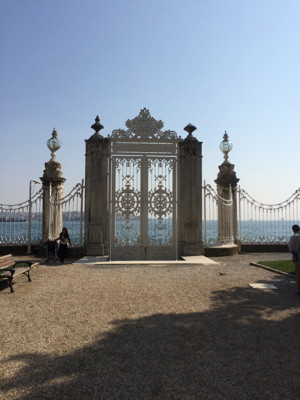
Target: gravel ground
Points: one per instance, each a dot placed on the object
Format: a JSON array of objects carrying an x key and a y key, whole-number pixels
[{"x": 151, "y": 332}]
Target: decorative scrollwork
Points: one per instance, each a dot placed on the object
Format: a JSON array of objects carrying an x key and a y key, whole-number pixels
[
  {"x": 161, "y": 233},
  {"x": 122, "y": 163},
  {"x": 128, "y": 235},
  {"x": 128, "y": 201},
  {"x": 145, "y": 127},
  {"x": 160, "y": 163},
  {"x": 160, "y": 201}
]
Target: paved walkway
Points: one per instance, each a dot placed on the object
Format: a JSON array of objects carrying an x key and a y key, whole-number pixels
[
  {"x": 103, "y": 260},
  {"x": 183, "y": 331}
]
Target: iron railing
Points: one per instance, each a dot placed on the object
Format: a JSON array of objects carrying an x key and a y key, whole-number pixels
[
  {"x": 16, "y": 226},
  {"x": 22, "y": 222},
  {"x": 72, "y": 206},
  {"x": 252, "y": 222},
  {"x": 266, "y": 223},
  {"x": 255, "y": 222}
]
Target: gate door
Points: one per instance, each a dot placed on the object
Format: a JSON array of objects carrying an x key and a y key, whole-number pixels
[{"x": 143, "y": 198}]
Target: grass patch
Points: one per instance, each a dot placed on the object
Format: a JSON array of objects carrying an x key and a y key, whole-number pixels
[
  {"x": 21, "y": 264},
  {"x": 282, "y": 265}
]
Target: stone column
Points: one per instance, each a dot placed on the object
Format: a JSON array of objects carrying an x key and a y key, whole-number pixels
[
  {"x": 226, "y": 188},
  {"x": 190, "y": 195},
  {"x": 53, "y": 186},
  {"x": 96, "y": 238}
]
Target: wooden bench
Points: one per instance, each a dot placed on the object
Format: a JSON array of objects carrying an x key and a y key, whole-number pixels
[{"x": 9, "y": 269}]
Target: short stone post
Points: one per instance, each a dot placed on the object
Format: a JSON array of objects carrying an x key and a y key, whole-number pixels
[
  {"x": 226, "y": 189},
  {"x": 96, "y": 238},
  {"x": 53, "y": 186},
  {"x": 190, "y": 195}
]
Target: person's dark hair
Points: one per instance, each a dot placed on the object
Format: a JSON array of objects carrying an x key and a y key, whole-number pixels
[
  {"x": 66, "y": 233},
  {"x": 296, "y": 228}
]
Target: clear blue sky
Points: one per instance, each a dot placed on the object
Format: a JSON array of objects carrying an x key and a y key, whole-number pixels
[{"x": 229, "y": 65}]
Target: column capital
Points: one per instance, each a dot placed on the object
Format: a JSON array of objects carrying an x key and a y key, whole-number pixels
[{"x": 227, "y": 175}]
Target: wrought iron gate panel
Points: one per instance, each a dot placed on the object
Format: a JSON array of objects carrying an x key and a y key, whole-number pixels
[
  {"x": 126, "y": 209},
  {"x": 143, "y": 191},
  {"x": 161, "y": 205}
]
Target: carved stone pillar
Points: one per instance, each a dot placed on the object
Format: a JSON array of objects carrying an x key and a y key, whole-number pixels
[
  {"x": 96, "y": 193},
  {"x": 190, "y": 195},
  {"x": 226, "y": 187},
  {"x": 53, "y": 186}
]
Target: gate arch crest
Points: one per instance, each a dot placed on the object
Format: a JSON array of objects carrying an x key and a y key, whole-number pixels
[{"x": 144, "y": 126}]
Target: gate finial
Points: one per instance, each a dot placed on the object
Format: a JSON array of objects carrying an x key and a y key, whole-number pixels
[
  {"x": 190, "y": 128},
  {"x": 97, "y": 126}
]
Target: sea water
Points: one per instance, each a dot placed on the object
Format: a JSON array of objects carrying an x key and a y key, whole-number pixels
[{"x": 251, "y": 231}]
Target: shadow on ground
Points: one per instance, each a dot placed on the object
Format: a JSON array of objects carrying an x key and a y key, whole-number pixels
[{"x": 246, "y": 346}]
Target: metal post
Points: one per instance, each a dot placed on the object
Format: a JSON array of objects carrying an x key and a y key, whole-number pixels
[
  {"x": 81, "y": 212},
  {"x": 29, "y": 220},
  {"x": 50, "y": 236},
  {"x": 204, "y": 212},
  {"x": 30, "y": 215},
  {"x": 239, "y": 233},
  {"x": 231, "y": 224}
]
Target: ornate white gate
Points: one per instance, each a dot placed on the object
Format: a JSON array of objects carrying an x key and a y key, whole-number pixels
[{"x": 143, "y": 195}]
